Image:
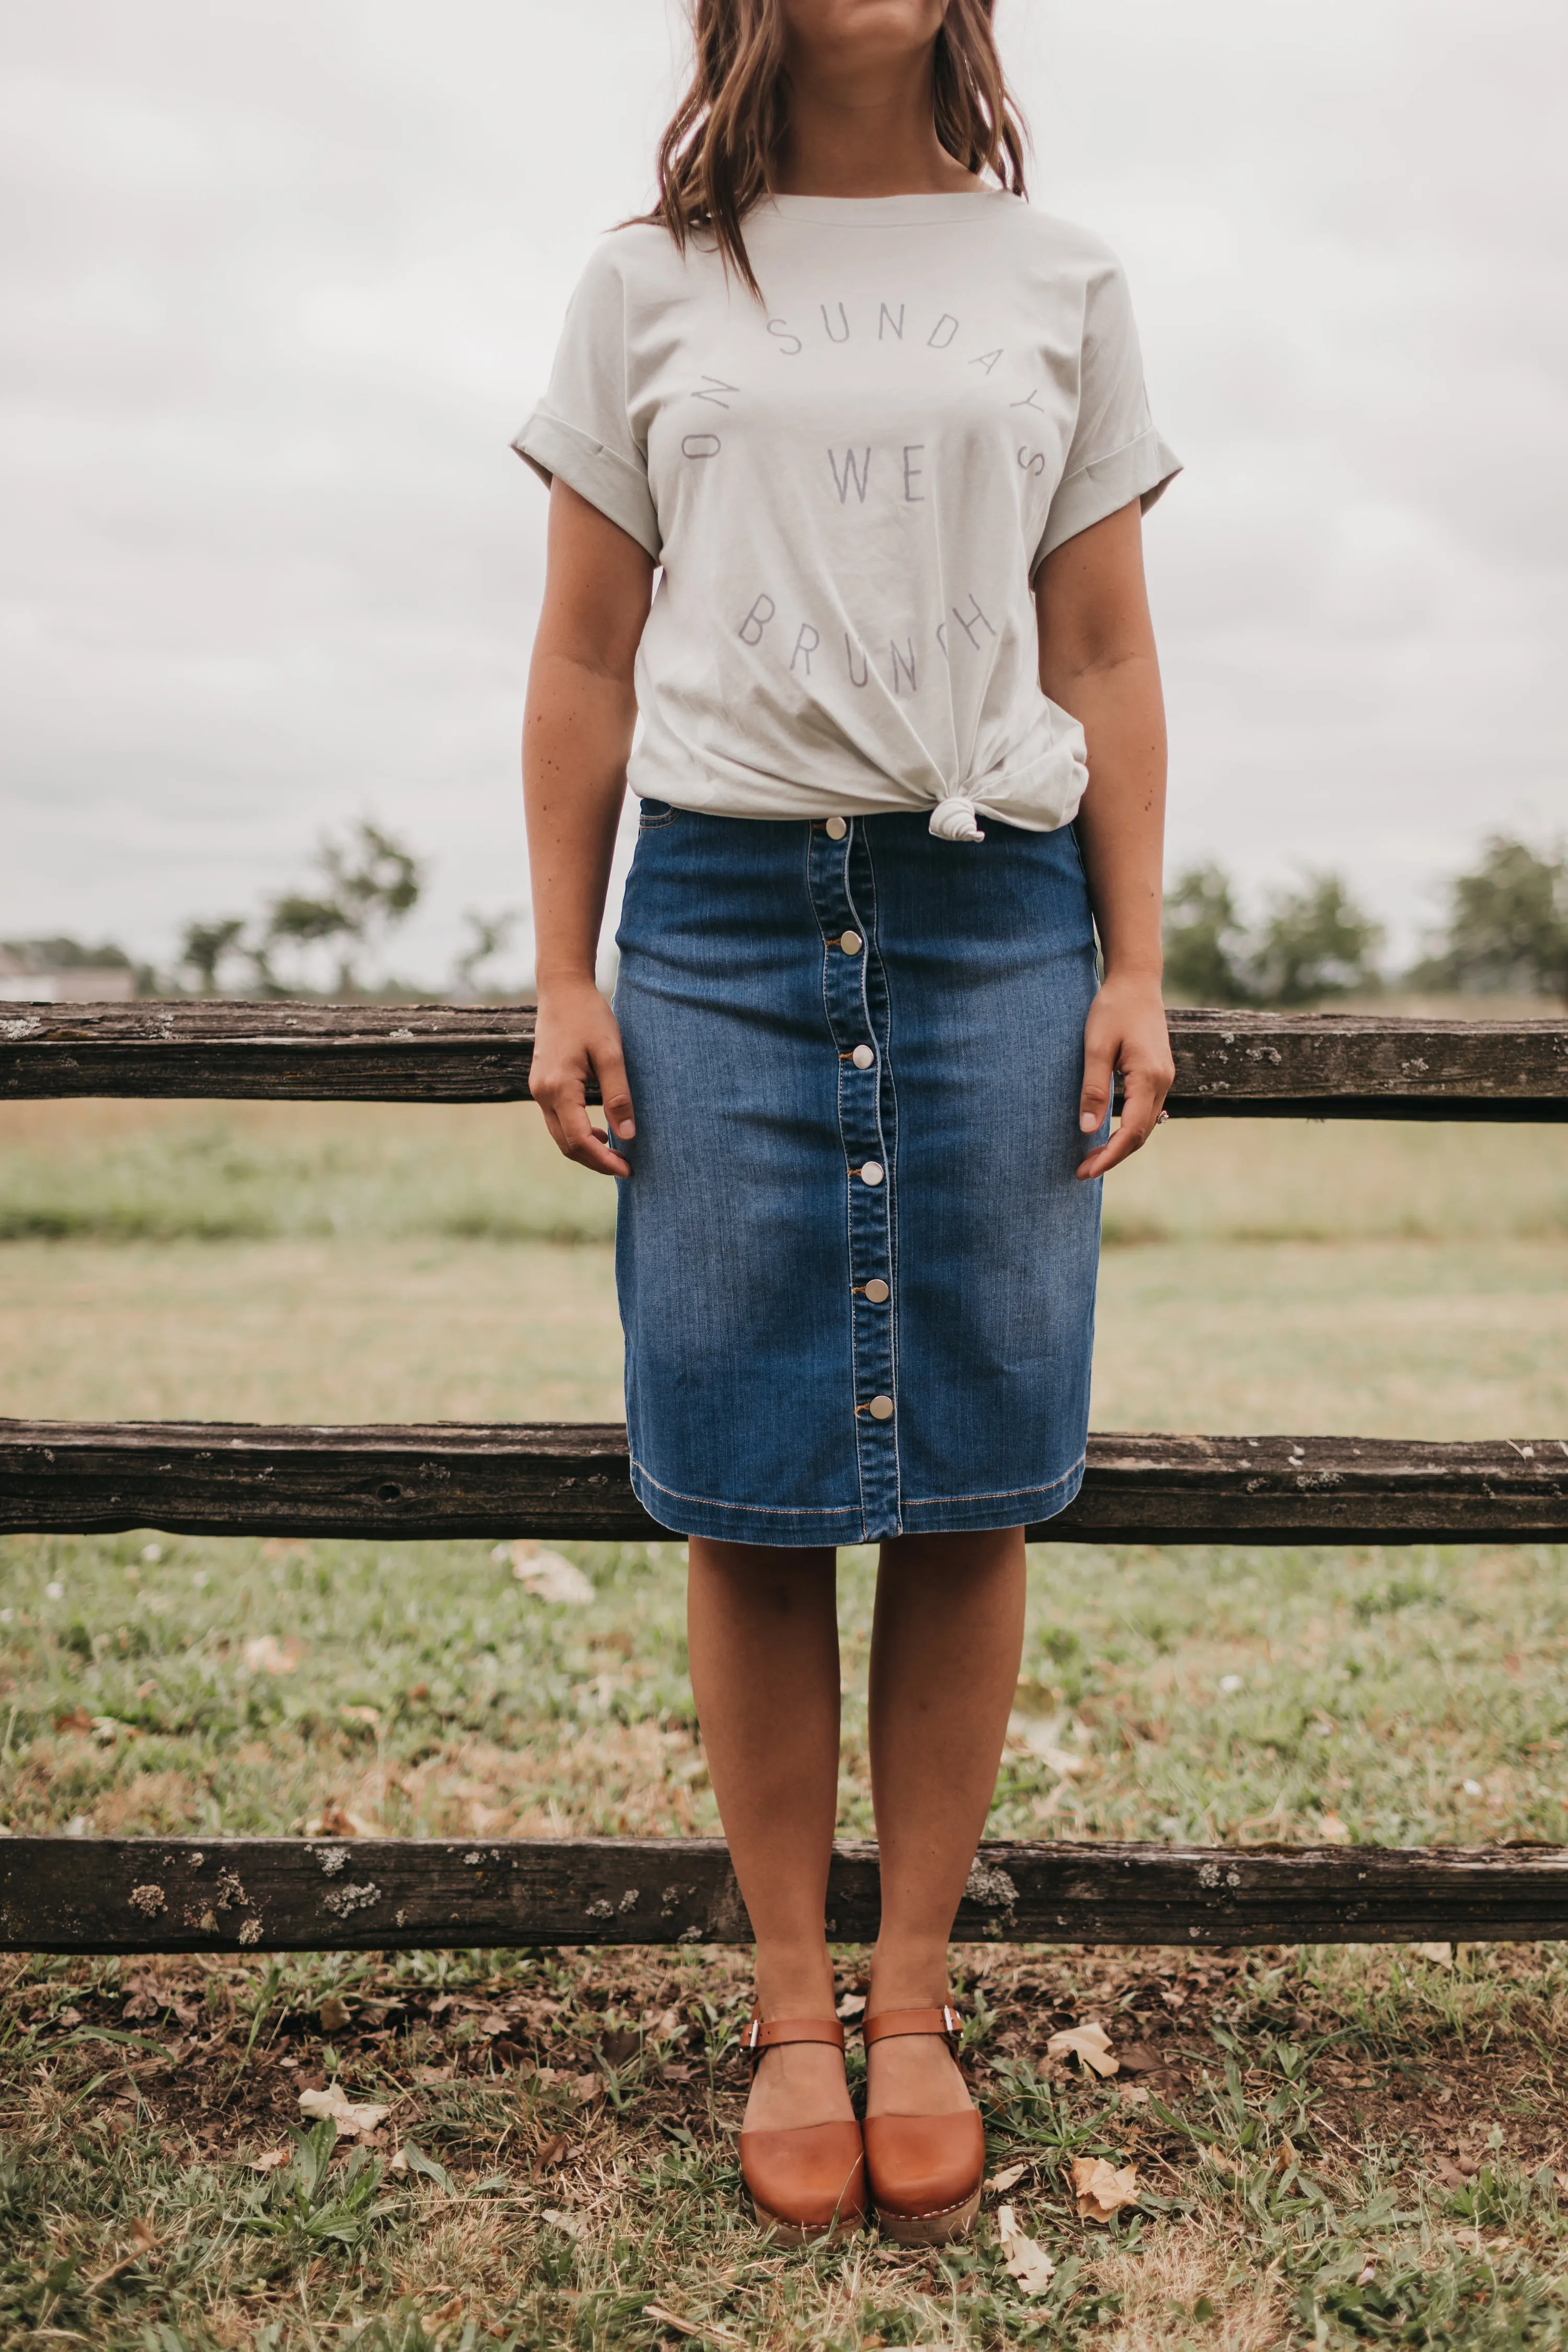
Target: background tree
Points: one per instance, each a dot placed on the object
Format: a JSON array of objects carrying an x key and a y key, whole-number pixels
[
  {"x": 1313, "y": 942},
  {"x": 1204, "y": 941},
  {"x": 206, "y": 947},
  {"x": 372, "y": 883},
  {"x": 488, "y": 935},
  {"x": 1508, "y": 924}
]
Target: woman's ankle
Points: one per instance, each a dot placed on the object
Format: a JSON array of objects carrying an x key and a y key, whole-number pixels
[
  {"x": 907, "y": 1975},
  {"x": 793, "y": 1981}
]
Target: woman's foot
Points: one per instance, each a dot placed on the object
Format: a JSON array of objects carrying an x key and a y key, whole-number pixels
[
  {"x": 797, "y": 2083},
  {"x": 914, "y": 2075},
  {"x": 802, "y": 2156},
  {"x": 925, "y": 2148}
]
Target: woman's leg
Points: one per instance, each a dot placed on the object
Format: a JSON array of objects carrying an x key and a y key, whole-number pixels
[
  {"x": 762, "y": 1628},
  {"x": 945, "y": 1646}
]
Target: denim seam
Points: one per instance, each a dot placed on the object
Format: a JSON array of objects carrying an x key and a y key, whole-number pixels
[
  {"x": 848, "y": 1210},
  {"x": 1000, "y": 1493},
  {"x": 765, "y": 1510},
  {"x": 866, "y": 925},
  {"x": 884, "y": 1070}
]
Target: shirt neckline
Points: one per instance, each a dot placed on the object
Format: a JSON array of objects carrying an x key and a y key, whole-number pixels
[{"x": 880, "y": 211}]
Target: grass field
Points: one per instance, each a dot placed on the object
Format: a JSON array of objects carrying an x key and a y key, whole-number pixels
[
  {"x": 330, "y": 1262},
  {"x": 1331, "y": 2147}
]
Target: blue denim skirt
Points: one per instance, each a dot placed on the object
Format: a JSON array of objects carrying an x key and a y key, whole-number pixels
[{"x": 857, "y": 1270}]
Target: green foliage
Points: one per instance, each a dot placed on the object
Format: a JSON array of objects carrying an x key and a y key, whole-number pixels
[
  {"x": 1205, "y": 944},
  {"x": 1506, "y": 930},
  {"x": 1312, "y": 942},
  {"x": 205, "y": 948},
  {"x": 1508, "y": 923},
  {"x": 371, "y": 883},
  {"x": 306, "y": 2201},
  {"x": 66, "y": 955},
  {"x": 366, "y": 883},
  {"x": 488, "y": 935}
]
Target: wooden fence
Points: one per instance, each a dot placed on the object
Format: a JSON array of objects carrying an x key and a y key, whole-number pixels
[{"x": 450, "y": 1479}]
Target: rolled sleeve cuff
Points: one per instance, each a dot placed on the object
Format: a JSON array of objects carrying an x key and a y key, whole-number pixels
[
  {"x": 618, "y": 489},
  {"x": 1140, "y": 470}
]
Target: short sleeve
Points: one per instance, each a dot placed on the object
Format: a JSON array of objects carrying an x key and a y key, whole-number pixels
[
  {"x": 1116, "y": 454},
  {"x": 582, "y": 428}
]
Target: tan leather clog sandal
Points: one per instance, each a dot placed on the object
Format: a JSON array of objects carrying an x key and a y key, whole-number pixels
[
  {"x": 808, "y": 2184},
  {"x": 925, "y": 2172}
]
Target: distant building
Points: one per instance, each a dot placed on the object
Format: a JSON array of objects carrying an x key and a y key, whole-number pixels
[{"x": 62, "y": 972}]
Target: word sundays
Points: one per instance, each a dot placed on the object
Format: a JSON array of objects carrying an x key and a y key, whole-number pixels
[{"x": 903, "y": 660}]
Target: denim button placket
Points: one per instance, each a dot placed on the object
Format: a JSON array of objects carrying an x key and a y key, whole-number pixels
[{"x": 843, "y": 889}]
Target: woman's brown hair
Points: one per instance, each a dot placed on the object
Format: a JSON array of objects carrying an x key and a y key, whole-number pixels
[{"x": 716, "y": 158}]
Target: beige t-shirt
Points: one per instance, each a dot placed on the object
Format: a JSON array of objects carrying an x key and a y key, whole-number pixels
[{"x": 850, "y": 486}]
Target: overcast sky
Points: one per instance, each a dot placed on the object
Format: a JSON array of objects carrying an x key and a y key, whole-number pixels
[{"x": 278, "y": 282}]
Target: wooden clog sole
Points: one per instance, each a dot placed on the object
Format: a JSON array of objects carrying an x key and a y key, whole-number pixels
[{"x": 930, "y": 2228}]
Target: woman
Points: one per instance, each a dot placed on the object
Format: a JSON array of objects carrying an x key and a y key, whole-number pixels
[{"x": 884, "y": 429}]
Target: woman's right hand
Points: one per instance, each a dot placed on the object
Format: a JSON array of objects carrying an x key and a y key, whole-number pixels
[{"x": 577, "y": 1035}]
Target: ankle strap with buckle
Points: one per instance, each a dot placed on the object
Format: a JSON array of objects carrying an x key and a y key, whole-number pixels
[
  {"x": 778, "y": 2031},
  {"x": 893, "y": 2021}
]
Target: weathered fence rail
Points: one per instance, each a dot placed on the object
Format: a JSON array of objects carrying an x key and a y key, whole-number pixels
[
  {"x": 203, "y": 1895},
  {"x": 1228, "y": 1064},
  {"x": 125, "y": 1895},
  {"x": 570, "y": 1480}
]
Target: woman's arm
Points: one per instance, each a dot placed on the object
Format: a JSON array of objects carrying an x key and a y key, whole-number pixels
[
  {"x": 1098, "y": 660},
  {"x": 576, "y": 735}
]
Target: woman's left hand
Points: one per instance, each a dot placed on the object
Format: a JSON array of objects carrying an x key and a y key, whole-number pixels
[{"x": 1125, "y": 1031}]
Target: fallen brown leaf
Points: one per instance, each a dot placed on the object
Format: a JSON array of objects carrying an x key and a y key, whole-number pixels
[
  {"x": 453, "y": 2310},
  {"x": 1285, "y": 2155},
  {"x": 330, "y": 2105},
  {"x": 1139, "y": 2058},
  {"x": 269, "y": 2159},
  {"x": 1008, "y": 2178},
  {"x": 1100, "y": 2189},
  {"x": 552, "y": 2151},
  {"x": 1027, "y": 2262},
  {"x": 77, "y": 1719},
  {"x": 1089, "y": 2043},
  {"x": 266, "y": 1655},
  {"x": 548, "y": 1575},
  {"x": 586, "y": 2089},
  {"x": 334, "y": 2014}
]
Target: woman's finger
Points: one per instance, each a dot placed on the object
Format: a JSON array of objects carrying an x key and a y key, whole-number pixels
[
  {"x": 609, "y": 1065},
  {"x": 1099, "y": 1077},
  {"x": 580, "y": 1140},
  {"x": 572, "y": 1131},
  {"x": 1140, "y": 1110}
]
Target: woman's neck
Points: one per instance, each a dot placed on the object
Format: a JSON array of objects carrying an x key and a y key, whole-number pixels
[{"x": 871, "y": 133}]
